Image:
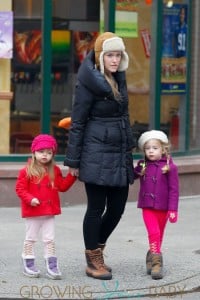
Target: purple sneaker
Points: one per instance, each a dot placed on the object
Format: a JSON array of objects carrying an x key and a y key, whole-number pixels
[
  {"x": 30, "y": 269},
  {"x": 53, "y": 271}
]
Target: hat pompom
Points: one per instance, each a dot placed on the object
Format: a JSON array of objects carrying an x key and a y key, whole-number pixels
[
  {"x": 44, "y": 141},
  {"x": 108, "y": 42},
  {"x": 152, "y": 134}
]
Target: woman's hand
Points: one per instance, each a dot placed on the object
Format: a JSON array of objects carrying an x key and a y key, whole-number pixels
[{"x": 74, "y": 172}]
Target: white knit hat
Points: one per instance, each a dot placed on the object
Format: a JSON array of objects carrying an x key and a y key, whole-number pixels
[
  {"x": 152, "y": 134},
  {"x": 107, "y": 42}
]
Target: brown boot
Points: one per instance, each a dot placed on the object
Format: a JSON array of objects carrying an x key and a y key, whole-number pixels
[
  {"x": 102, "y": 246},
  {"x": 148, "y": 262},
  {"x": 95, "y": 265},
  {"x": 157, "y": 266}
]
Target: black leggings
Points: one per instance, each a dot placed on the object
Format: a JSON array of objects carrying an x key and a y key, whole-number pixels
[{"x": 104, "y": 210}]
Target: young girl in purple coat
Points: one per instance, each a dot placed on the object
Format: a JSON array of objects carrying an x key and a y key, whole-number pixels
[{"x": 159, "y": 194}]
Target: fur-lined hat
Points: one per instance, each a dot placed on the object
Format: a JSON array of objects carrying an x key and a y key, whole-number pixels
[
  {"x": 44, "y": 141},
  {"x": 152, "y": 134},
  {"x": 107, "y": 42}
]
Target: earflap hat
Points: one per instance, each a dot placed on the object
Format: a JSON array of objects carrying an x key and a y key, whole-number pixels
[
  {"x": 108, "y": 42},
  {"x": 44, "y": 141},
  {"x": 152, "y": 134}
]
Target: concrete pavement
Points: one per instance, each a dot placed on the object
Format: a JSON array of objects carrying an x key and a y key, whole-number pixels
[{"x": 125, "y": 253}]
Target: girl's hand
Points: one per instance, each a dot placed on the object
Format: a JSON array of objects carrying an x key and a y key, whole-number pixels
[
  {"x": 35, "y": 202},
  {"x": 172, "y": 216},
  {"x": 74, "y": 172}
]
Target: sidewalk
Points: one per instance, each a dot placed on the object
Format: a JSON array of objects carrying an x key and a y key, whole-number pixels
[{"x": 125, "y": 252}]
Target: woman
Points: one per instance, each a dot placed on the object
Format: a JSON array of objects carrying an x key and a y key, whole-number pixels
[{"x": 100, "y": 145}]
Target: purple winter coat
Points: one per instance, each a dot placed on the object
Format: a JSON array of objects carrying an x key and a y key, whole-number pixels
[{"x": 158, "y": 190}]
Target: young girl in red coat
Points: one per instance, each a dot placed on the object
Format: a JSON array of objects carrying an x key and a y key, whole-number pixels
[
  {"x": 38, "y": 186},
  {"x": 158, "y": 195}
]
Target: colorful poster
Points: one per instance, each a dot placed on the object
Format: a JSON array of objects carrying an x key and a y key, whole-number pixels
[
  {"x": 174, "y": 50},
  {"x": 83, "y": 42},
  {"x": 28, "y": 46},
  {"x": 6, "y": 34},
  {"x": 61, "y": 45},
  {"x": 26, "y": 64}
]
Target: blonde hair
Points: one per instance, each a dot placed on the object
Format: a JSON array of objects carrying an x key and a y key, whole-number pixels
[
  {"x": 37, "y": 171},
  {"x": 113, "y": 84},
  {"x": 166, "y": 152}
]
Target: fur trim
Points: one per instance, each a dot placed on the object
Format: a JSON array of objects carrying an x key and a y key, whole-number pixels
[
  {"x": 113, "y": 44},
  {"x": 108, "y": 42}
]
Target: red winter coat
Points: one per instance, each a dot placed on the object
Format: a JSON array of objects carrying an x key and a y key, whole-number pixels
[{"x": 27, "y": 189}]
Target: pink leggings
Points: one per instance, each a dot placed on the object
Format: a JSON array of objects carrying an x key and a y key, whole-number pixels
[{"x": 155, "y": 222}]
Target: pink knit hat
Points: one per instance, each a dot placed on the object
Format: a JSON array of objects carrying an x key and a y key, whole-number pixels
[{"x": 44, "y": 141}]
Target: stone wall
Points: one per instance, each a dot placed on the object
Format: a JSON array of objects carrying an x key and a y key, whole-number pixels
[{"x": 189, "y": 174}]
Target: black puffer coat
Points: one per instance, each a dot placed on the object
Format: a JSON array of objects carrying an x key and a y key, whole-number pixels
[{"x": 100, "y": 139}]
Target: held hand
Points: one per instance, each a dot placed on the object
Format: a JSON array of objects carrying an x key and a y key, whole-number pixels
[
  {"x": 35, "y": 202},
  {"x": 172, "y": 216},
  {"x": 74, "y": 172}
]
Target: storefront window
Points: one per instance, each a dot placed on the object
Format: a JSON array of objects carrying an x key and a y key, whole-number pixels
[
  {"x": 174, "y": 64},
  {"x": 73, "y": 33},
  {"x": 70, "y": 41},
  {"x": 138, "y": 48}
]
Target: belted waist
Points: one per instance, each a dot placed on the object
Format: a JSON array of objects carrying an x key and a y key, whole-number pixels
[
  {"x": 109, "y": 119},
  {"x": 106, "y": 119}
]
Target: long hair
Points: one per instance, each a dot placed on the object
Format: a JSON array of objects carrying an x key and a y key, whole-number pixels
[
  {"x": 166, "y": 152},
  {"x": 113, "y": 84},
  {"x": 37, "y": 171}
]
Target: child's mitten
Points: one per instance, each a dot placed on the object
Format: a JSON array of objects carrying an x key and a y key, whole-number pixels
[{"x": 172, "y": 216}]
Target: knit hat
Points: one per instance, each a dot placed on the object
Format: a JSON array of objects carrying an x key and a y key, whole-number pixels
[
  {"x": 152, "y": 134},
  {"x": 44, "y": 141},
  {"x": 107, "y": 42}
]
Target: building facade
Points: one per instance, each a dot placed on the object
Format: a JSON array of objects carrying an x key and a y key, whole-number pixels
[{"x": 51, "y": 38}]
